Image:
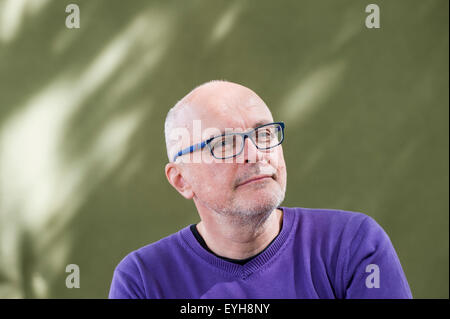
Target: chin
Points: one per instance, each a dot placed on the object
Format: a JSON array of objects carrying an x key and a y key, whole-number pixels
[
  {"x": 265, "y": 193},
  {"x": 260, "y": 202}
]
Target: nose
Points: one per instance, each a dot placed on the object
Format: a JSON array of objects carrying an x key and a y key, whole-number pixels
[{"x": 251, "y": 153}]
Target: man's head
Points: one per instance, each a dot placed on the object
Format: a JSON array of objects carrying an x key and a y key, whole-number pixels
[{"x": 223, "y": 186}]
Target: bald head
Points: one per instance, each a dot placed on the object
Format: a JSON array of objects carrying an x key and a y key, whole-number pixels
[
  {"x": 209, "y": 103},
  {"x": 216, "y": 183}
]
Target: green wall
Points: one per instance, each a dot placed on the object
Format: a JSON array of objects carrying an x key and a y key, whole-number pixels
[{"x": 82, "y": 111}]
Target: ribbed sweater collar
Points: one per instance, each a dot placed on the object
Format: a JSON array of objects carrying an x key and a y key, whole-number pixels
[{"x": 189, "y": 241}]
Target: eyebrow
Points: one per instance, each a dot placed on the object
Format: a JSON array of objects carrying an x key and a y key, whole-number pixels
[{"x": 259, "y": 123}]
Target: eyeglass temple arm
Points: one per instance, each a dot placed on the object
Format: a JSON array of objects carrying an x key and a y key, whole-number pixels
[{"x": 190, "y": 149}]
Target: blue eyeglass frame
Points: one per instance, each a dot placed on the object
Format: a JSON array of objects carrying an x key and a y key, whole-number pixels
[{"x": 202, "y": 144}]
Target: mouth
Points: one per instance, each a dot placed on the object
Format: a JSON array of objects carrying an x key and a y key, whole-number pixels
[{"x": 255, "y": 179}]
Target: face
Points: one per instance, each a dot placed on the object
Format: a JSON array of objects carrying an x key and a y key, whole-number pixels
[{"x": 252, "y": 183}]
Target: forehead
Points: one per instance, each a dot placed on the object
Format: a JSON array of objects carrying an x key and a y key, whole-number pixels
[{"x": 233, "y": 112}]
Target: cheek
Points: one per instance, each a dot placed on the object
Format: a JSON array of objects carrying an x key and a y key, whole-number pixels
[
  {"x": 222, "y": 176},
  {"x": 213, "y": 181},
  {"x": 281, "y": 168}
]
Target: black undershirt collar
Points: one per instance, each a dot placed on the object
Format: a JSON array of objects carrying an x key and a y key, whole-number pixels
[{"x": 236, "y": 261}]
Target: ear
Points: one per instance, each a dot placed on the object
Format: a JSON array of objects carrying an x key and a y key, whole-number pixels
[{"x": 175, "y": 177}]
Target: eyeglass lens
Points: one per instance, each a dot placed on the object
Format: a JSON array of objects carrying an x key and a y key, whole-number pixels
[{"x": 264, "y": 138}]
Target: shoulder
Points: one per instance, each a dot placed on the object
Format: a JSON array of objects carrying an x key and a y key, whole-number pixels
[
  {"x": 332, "y": 223},
  {"x": 329, "y": 218},
  {"x": 143, "y": 258},
  {"x": 137, "y": 274}
]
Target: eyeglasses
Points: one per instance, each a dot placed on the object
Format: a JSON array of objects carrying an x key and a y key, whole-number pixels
[{"x": 232, "y": 144}]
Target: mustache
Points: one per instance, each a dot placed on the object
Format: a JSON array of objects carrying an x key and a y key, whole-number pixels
[{"x": 255, "y": 171}]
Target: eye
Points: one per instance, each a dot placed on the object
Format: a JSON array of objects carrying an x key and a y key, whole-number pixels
[{"x": 265, "y": 133}]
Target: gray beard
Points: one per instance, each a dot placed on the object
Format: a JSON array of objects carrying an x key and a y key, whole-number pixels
[{"x": 247, "y": 217}]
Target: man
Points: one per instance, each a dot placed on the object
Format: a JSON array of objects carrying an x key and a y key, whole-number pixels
[{"x": 247, "y": 245}]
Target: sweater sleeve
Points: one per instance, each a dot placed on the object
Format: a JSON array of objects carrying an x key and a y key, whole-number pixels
[
  {"x": 127, "y": 281},
  {"x": 373, "y": 269}
]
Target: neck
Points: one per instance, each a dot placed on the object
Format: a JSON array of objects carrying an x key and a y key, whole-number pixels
[{"x": 237, "y": 240}]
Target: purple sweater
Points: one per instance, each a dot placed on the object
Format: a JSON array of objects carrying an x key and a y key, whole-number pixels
[{"x": 319, "y": 253}]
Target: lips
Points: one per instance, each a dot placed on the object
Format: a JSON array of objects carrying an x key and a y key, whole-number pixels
[{"x": 254, "y": 179}]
